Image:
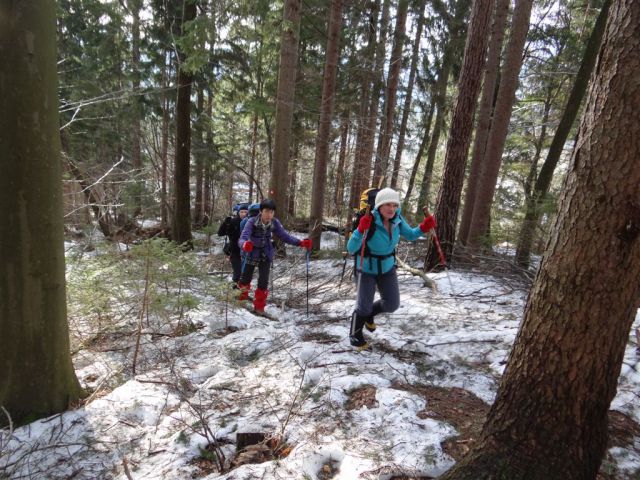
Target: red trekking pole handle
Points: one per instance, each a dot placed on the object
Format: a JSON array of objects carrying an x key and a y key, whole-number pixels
[
  {"x": 364, "y": 239},
  {"x": 436, "y": 241}
]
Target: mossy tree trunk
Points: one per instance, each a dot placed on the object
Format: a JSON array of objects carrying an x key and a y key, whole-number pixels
[
  {"x": 549, "y": 420},
  {"x": 37, "y": 374}
]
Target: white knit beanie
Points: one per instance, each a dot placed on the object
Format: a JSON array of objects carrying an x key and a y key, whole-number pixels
[{"x": 387, "y": 195}]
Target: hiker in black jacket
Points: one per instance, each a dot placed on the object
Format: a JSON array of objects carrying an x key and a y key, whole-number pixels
[{"x": 231, "y": 228}]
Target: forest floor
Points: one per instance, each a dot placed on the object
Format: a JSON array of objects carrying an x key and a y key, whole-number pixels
[{"x": 211, "y": 376}]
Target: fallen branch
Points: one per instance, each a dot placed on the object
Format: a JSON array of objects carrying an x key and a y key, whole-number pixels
[{"x": 418, "y": 273}]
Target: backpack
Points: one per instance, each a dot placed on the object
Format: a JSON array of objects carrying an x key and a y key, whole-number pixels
[
  {"x": 368, "y": 200},
  {"x": 254, "y": 210}
]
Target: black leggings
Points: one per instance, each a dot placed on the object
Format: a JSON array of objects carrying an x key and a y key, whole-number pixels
[{"x": 263, "y": 274}]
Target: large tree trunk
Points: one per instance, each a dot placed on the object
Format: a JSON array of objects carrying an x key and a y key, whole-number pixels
[
  {"x": 361, "y": 166},
  {"x": 451, "y": 54},
  {"x": 541, "y": 188},
  {"x": 386, "y": 130},
  {"x": 198, "y": 204},
  {"x": 376, "y": 92},
  {"x": 459, "y": 140},
  {"x": 549, "y": 419},
  {"x": 324, "y": 128},
  {"x": 500, "y": 124},
  {"x": 484, "y": 114},
  {"x": 338, "y": 198},
  {"x": 38, "y": 378},
  {"x": 136, "y": 155},
  {"x": 181, "y": 223},
  {"x": 279, "y": 183},
  {"x": 407, "y": 99},
  {"x": 164, "y": 148}
]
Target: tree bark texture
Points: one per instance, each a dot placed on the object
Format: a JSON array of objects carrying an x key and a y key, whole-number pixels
[
  {"x": 455, "y": 160},
  {"x": 376, "y": 91},
  {"x": 136, "y": 132},
  {"x": 452, "y": 51},
  {"x": 500, "y": 124},
  {"x": 38, "y": 378},
  {"x": 199, "y": 149},
  {"x": 181, "y": 223},
  {"x": 324, "y": 128},
  {"x": 543, "y": 182},
  {"x": 338, "y": 198},
  {"x": 386, "y": 133},
  {"x": 361, "y": 165},
  {"x": 406, "y": 110},
  {"x": 484, "y": 114},
  {"x": 164, "y": 148},
  {"x": 289, "y": 39},
  {"x": 549, "y": 419}
]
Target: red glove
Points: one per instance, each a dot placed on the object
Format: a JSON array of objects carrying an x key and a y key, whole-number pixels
[
  {"x": 365, "y": 223},
  {"x": 247, "y": 246},
  {"x": 306, "y": 243},
  {"x": 428, "y": 223}
]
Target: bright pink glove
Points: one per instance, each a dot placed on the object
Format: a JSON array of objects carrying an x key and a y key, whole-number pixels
[
  {"x": 428, "y": 223},
  {"x": 306, "y": 243},
  {"x": 247, "y": 246},
  {"x": 365, "y": 223}
]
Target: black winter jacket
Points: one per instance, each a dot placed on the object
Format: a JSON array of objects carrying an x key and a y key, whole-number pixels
[{"x": 231, "y": 228}]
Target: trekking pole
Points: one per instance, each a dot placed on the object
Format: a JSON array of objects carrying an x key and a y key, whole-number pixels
[
  {"x": 244, "y": 263},
  {"x": 308, "y": 255}
]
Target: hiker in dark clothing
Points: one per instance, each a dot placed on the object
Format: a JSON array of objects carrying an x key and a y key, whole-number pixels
[
  {"x": 230, "y": 228},
  {"x": 381, "y": 231},
  {"x": 257, "y": 245}
]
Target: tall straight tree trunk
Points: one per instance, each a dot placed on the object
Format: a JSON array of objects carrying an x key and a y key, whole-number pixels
[
  {"x": 369, "y": 140},
  {"x": 136, "y": 156},
  {"x": 254, "y": 146},
  {"x": 361, "y": 166},
  {"x": 324, "y": 128},
  {"x": 338, "y": 198},
  {"x": 38, "y": 378},
  {"x": 208, "y": 166},
  {"x": 451, "y": 53},
  {"x": 289, "y": 40},
  {"x": 198, "y": 204},
  {"x": 164, "y": 148},
  {"x": 416, "y": 163},
  {"x": 407, "y": 99},
  {"x": 500, "y": 124},
  {"x": 439, "y": 100},
  {"x": 549, "y": 419},
  {"x": 484, "y": 114},
  {"x": 181, "y": 223},
  {"x": 459, "y": 140},
  {"x": 543, "y": 183},
  {"x": 386, "y": 133}
]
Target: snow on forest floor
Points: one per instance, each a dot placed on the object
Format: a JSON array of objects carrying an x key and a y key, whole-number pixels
[{"x": 407, "y": 409}]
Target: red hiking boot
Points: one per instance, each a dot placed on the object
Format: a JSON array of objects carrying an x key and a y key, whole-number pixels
[{"x": 260, "y": 300}]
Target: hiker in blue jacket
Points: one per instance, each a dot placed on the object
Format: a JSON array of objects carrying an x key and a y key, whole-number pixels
[
  {"x": 379, "y": 262},
  {"x": 255, "y": 242}
]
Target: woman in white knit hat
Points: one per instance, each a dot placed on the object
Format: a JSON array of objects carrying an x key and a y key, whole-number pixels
[{"x": 381, "y": 231}]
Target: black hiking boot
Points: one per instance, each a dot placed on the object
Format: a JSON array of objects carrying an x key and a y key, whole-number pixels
[{"x": 355, "y": 333}]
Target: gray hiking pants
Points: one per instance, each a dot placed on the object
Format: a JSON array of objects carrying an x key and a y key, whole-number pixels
[{"x": 387, "y": 284}]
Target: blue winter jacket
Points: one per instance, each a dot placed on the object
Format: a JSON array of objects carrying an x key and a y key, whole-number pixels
[
  {"x": 382, "y": 243},
  {"x": 261, "y": 237}
]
